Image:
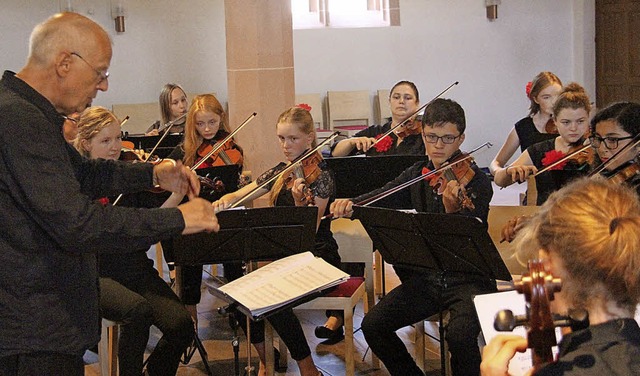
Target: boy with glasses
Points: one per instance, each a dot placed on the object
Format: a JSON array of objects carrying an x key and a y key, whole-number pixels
[{"x": 420, "y": 294}]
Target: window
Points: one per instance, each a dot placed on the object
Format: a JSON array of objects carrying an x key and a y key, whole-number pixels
[{"x": 314, "y": 14}]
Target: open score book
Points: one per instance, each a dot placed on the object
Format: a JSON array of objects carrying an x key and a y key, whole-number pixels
[{"x": 281, "y": 282}]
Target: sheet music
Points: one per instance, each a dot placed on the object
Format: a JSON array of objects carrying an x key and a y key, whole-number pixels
[{"x": 283, "y": 281}]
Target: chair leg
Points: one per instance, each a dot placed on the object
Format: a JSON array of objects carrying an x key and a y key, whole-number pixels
[
  {"x": 348, "y": 341},
  {"x": 108, "y": 350}
]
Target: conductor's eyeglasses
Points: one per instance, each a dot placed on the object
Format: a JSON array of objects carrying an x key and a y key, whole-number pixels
[
  {"x": 446, "y": 139},
  {"x": 610, "y": 143},
  {"x": 101, "y": 75}
]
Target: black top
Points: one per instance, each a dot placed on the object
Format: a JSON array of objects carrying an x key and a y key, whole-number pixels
[
  {"x": 611, "y": 348},
  {"x": 323, "y": 187},
  {"x": 52, "y": 227},
  {"x": 529, "y": 134},
  {"x": 411, "y": 145},
  {"x": 552, "y": 180}
]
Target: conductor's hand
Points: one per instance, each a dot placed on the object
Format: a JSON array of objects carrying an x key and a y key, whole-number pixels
[
  {"x": 342, "y": 207},
  {"x": 362, "y": 143},
  {"x": 511, "y": 228},
  {"x": 521, "y": 173},
  {"x": 198, "y": 216},
  {"x": 497, "y": 354},
  {"x": 175, "y": 177},
  {"x": 451, "y": 197}
]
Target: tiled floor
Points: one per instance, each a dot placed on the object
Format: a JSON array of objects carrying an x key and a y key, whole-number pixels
[{"x": 216, "y": 334}]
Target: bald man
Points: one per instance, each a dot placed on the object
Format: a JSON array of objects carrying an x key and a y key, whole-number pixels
[{"x": 51, "y": 225}]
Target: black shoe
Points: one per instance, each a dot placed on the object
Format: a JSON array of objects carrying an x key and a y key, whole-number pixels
[{"x": 332, "y": 336}]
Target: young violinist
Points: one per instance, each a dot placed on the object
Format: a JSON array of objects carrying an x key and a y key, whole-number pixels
[
  {"x": 612, "y": 129},
  {"x": 296, "y": 135},
  {"x": 206, "y": 124},
  {"x": 419, "y": 295},
  {"x": 404, "y": 100},
  {"x": 131, "y": 291},
  {"x": 173, "y": 104},
  {"x": 536, "y": 127},
  {"x": 571, "y": 115},
  {"x": 587, "y": 235}
]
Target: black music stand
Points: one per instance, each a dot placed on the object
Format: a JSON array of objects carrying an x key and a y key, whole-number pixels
[
  {"x": 248, "y": 235},
  {"x": 442, "y": 243},
  {"x": 358, "y": 175},
  {"x": 140, "y": 141}
]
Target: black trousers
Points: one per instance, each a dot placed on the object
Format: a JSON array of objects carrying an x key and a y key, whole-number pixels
[
  {"x": 418, "y": 297},
  {"x": 137, "y": 303}
]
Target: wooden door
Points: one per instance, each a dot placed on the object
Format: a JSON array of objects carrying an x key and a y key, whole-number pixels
[{"x": 617, "y": 51}]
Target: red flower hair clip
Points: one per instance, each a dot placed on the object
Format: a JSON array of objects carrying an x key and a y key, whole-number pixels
[
  {"x": 304, "y": 106},
  {"x": 384, "y": 144},
  {"x": 527, "y": 89},
  {"x": 104, "y": 201},
  {"x": 551, "y": 157}
]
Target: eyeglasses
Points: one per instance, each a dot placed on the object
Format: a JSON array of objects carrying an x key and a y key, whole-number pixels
[
  {"x": 433, "y": 139},
  {"x": 609, "y": 142},
  {"x": 101, "y": 75}
]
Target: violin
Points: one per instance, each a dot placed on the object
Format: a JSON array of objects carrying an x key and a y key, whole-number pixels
[
  {"x": 226, "y": 155},
  {"x": 128, "y": 153},
  {"x": 539, "y": 286},
  {"x": 309, "y": 170},
  {"x": 410, "y": 127},
  {"x": 459, "y": 169},
  {"x": 629, "y": 173},
  {"x": 550, "y": 127}
]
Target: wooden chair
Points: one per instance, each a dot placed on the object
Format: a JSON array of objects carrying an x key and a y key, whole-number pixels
[
  {"x": 108, "y": 348},
  {"x": 355, "y": 246},
  {"x": 141, "y": 116},
  {"x": 420, "y": 345},
  {"x": 498, "y": 217},
  {"x": 381, "y": 106},
  {"x": 348, "y": 110},
  {"x": 315, "y": 102}
]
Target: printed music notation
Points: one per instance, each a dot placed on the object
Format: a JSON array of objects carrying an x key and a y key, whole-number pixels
[{"x": 283, "y": 281}]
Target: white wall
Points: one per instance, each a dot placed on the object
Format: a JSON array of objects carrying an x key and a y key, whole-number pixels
[{"x": 439, "y": 42}]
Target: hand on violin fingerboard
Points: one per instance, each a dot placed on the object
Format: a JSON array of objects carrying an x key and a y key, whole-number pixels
[
  {"x": 300, "y": 192},
  {"x": 497, "y": 354},
  {"x": 451, "y": 197}
]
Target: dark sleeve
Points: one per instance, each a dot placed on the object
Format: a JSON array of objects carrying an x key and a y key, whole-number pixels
[
  {"x": 51, "y": 186},
  {"x": 405, "y": 176},
  {"x": 480, "y": 191},
  {"x": 372, "y": 131}
]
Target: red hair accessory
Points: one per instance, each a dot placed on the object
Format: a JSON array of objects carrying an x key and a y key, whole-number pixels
[
  {"x": 104, "y": 201},
  {"x": 528, "y": 89},
  {"x": 304, "y": 106},
  {"x": 552, "y": 156},
  {"x": 384, "y": 144}
]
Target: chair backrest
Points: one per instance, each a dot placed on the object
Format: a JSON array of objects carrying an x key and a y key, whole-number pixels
[
  {"x": 381, "y": 106},
  {"x": 348, "y": 108},
  {"x": 315, "y": 101},
  {"x": 141, "y": 116},
  {"x": 498, "y": 217}
]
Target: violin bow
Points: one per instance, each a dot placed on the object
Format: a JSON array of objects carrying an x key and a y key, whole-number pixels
[
  {"x": 168, "y": 127},
  {"x": 418, "y": 178},
  {"x": 566, "y": 157},
  {"x": 288, "y": 169},
  {"x": 634, "y": 142},
  {"x": 413, "y": 114},
  {"x": 222, "y": 142}
]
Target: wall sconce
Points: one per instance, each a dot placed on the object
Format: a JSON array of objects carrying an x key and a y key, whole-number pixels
[
  {"x": 492, "y": 9},
  {"x": 118, "y": 13}
]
